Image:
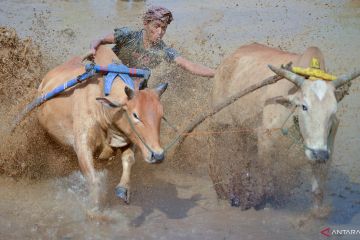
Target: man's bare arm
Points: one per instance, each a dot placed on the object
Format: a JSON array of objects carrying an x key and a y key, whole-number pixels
[
  {"x": 194, "y": 68},
  {"x": 108, "y": 39}
]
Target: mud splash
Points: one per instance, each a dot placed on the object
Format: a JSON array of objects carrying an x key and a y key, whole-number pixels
[
  {"x": 20, "y": 68},
  {"x": 25, "y": 152}
]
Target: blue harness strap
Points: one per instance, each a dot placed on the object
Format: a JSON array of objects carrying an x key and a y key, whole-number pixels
[
  {"x": 114, "y": 70},
  {"x": 110, "y": 77},
  {"x": 120, "y": 68},
  {"x": 108, "y": 81},
  {"x": 128, "y": 80}
]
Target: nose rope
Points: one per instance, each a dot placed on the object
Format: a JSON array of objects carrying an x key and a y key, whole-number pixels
[
  {"x": 285, "y": 131},
  {"x": 297, "y": 141},
  {"x": 170, "y": 125},
  {"x": 136, "y": 132},
  {"x": 172, "y": 143}
]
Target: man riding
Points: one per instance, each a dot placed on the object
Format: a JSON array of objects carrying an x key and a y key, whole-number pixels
[{"x": 145, "y": 47}]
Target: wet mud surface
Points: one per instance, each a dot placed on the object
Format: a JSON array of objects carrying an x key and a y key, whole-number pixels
[{"x": 43, "y": 194}]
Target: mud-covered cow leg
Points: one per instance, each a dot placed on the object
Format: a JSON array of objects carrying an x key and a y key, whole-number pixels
[
  {"x": 85, "y": 158},
  {"x": 122, "y": 190},
  {"x": 319, "y": 171},
  {"x": 84, "y": 145}
]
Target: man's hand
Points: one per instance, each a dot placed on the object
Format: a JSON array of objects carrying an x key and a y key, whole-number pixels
[
  {"x": 108, "y": 39},
  {"x": 90, "y": 55}
]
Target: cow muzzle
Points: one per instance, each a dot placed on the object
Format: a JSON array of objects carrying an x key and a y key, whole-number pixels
[
  {"x": 318, "y": 155},
  {"x": 158, "y": 157},
  {"x": 155, "y": 156}
]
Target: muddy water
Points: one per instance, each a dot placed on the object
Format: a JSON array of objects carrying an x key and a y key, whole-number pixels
[{"x": 175, "y": 200}]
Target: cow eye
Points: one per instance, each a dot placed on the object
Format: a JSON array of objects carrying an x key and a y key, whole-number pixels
[
  {"x": 136, "y": 116},
  {"x": 305, "y": 108}
]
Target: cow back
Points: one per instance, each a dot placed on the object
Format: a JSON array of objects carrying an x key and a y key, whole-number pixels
[
  {"x": 76, "y": 105},
  {"x": 248, "y": 65}
]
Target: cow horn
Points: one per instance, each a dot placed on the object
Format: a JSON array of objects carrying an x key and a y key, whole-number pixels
[
  {"x": 143, "y": 84},
  {"x": 346, "y": 78},
  {"x": 129, "y": 92},
  {"x": 294, "y": 78},
  {"x": 160, "y": 89}
]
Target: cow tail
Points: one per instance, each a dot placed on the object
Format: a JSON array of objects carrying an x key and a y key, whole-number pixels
[{"x": 20, "y": 116}]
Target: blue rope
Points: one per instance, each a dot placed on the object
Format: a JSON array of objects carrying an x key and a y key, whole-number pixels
[
  {"x": 68, "y": 84},
  {"x": 40, "y": 100}
]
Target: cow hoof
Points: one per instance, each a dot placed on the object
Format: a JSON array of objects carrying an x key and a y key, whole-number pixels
[
  {"x": 234, "y": 201},
  {"x": 122, "y": 193}
]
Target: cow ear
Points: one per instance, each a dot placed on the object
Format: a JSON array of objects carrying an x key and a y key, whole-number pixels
[
  {"x": 295, "y": 99},
  {"x": 129, "y": 92},
  {"x": 107, "y": 102},
  {"x": 160, "y": 89},
  {"x": 282, "y": 100}
]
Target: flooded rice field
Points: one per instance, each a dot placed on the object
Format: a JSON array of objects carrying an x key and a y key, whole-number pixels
[{"x": 44, "y": 195}]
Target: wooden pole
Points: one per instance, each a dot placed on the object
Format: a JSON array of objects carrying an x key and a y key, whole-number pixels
[{"x": 229, "y": 100}]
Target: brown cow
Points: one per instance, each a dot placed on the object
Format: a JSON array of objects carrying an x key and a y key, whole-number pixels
[
  {"x": 265, "y": 111},
  {"x": 87, "y": 122}
]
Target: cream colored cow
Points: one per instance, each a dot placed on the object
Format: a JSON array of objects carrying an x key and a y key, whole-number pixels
[{"x": 316, "y": 109}]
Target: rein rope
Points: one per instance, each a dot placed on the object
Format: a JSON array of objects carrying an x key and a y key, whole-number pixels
[{"x": 284, "y": 132}]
